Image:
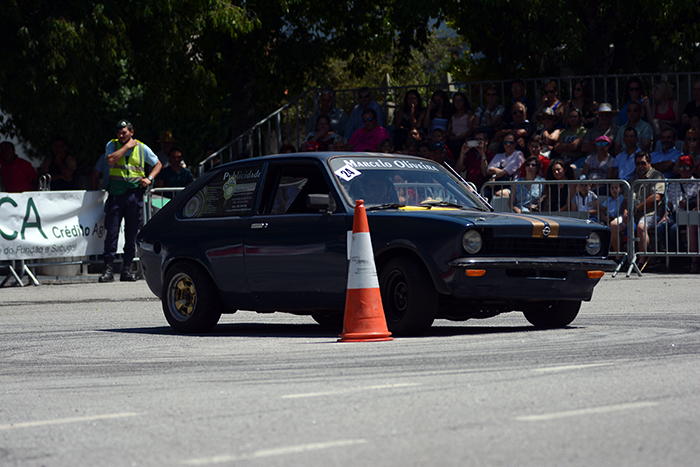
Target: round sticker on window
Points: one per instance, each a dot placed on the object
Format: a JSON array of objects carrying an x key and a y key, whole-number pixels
[
  {"x": 195, "y": 206},
  {"x": 229, "y": 187}
]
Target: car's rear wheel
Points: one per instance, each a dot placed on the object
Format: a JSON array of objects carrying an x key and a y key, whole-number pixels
[
  {"x": 409, "y": 299},
  {"x": 553, "y": 314},
  {"x": 191, "y": 302}
]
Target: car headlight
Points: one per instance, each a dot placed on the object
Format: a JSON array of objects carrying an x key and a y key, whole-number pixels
[
  {"x": 472, "y": 242},
  {"x": 593, "y": 244}
]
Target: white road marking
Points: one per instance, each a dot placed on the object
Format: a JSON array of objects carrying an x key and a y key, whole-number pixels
[
  {"x": 553, "y": 369},
  {"x": 61, "y": 421},
  {"x": 274, "y": 452},
  {"x": 346, "y": 391},
  {"x": 589, "y": 411}
]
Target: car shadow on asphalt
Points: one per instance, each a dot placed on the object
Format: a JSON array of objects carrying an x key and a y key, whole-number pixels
[{"x": 317, "y": 331}]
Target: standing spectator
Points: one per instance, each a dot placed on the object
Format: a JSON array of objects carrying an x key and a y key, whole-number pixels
[
  {"x": 175, "y": 175},
  {"x": 166, "y": 142},
  {"x": 517, "y": 89},
  {"x": 583, "y": 100},
  {"x": 664, "y": 159},
  {"x": 18, "y": 175},
  {"x": 100, "y": 172},
  {"x": 474, "y": 159},
  {"x": 355, "y": 121},
  {"x": 666, "y": 112},
  {"x": 597, "y": 165},
  {"x": 438, "y": 113},
  {"x": 324, "y": 134},
  {"x": 645, "y": 133},
  {"x": 550, "y": 100},
  {"x": 604, "y": 127},
  {"x": 127, "y": 159},
  {"x": 369, "y": 137},
  {"x": 490, "y": 116},
  {"x": 568, "y": 145},
  {"x": 692, "y": 108},
  {"x": 624, "y": 166},
  {"x": 326, "y": 106},
  {"x": 60, "y": 166},
  {"x": 558, "y": 196},
  {"x": 647, "y": 202},
  {"x": 461, "y": 124},
  {"x": 408, "y": 117},
  {"x": 634, "y": 92}
]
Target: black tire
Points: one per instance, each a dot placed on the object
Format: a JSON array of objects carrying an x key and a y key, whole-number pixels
[
  {"x": 409, "y": 299},
  {"x": 553, "y": 314},
  {"x": 329, "y": 319},
  {"x": 191, "y": 301}
]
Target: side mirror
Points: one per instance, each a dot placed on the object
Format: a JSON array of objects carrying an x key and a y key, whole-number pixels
[{"x": 320, "y": 202}]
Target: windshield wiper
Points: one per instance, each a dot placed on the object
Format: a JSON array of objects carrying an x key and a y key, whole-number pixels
[
  {"x": 433, "y": 203},
  {"x": 379, "y": 207}
]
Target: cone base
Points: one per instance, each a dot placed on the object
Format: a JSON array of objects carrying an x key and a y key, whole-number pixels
[{"x": 365, "y": 337}]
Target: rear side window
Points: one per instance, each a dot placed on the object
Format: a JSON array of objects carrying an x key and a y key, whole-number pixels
[
  {"x": 287, "y": 187},
  {"x": 230, "y": 193}
]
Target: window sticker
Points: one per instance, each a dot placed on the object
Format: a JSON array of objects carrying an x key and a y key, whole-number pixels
[
  {"x": 229, "y": 195},
  {"x": 347, "y": 173}
]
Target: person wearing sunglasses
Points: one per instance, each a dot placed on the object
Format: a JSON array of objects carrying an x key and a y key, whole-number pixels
[
  {"x": 526, "y": 198},
  {"x": 520, "y": 127},
  {"x": 370, "y": 136},
  {"x": 634, "y": 92},
  {"x": 550, "y": 99},
  {"x": 365, "y": 101},
  {"x": 597, "y": 165},
  {"x": 506, "y": 165},
  {"x": 681, "y": 197},
  {"x": 583, "y": 99},
  {"x": 604, "y": 127},
  {"x": 568, "y": 145},
  {"x": 645, "y": 132},
  {"x": 490, "y": 116},
  {"x": 517, "y": 90}
]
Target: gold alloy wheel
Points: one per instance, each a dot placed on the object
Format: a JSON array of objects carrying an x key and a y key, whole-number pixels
[{"x": 183, "y": 295}]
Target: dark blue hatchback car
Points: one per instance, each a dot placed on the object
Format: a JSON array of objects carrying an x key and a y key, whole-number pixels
[{"x": 272, "y": 234}]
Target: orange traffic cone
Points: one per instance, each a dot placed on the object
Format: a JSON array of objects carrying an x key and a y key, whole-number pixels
[{"x": 364, "y": 315}]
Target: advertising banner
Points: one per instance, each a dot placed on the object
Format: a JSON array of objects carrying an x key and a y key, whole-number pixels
[{"x": 52, "y": 224}]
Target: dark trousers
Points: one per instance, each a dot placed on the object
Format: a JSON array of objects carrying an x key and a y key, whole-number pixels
[{"x": 127, "y": 206}]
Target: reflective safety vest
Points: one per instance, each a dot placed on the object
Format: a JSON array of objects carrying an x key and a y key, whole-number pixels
[{"x": 128, "y": 171}]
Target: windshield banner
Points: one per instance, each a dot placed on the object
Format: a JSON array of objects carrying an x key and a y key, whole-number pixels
[{"x": 52, "y": 224}]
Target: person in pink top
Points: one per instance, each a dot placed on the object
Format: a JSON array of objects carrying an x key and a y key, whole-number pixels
[{"x": 370, "y": 137}]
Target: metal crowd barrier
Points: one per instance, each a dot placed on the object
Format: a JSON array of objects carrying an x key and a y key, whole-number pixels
[{"x": 155, "y": 199}]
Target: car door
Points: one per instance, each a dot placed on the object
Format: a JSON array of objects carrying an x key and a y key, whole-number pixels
[{"x": 296, "y": 257}]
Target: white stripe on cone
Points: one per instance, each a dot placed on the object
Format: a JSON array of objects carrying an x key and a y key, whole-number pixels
[{"x": 362, "y": 273}]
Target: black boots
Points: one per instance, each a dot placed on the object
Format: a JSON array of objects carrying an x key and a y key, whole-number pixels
[
  {"x": 108, "y": 275},
  {"x": 126, "y": 275}
]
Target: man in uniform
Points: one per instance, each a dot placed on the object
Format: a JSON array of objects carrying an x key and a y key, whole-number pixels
[{"x": 127, "y": 159}]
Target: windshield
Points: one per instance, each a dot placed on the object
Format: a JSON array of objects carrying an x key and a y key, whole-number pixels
[{"x": 384, "y": 181}]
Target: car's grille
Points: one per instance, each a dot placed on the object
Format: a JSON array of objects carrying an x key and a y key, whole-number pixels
[{"x": 536, "y": 246}]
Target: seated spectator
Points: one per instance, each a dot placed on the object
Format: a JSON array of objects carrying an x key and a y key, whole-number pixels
[
  {"x": 438, "y": 136},
  {"x": 666, "y": 112},
  {"x": 691, "y": 147},
  {"x": 355, "y": 121},
  {"x": 166, "y": 143},
  {"x": 647, "y": 202},
  {"x": 410, "y": 147},
  {"x": 558, "y": 196},
  {"x": 526, "y": 198},
  {"x": 490, "y": 116},
  {"x": 326, "y": 106},
  {"x": 339, "y": 144},
  {"x": 644, "y": 131},
  {"x": 18, "y": 175},
  {"x": 611, "y": 206},
  {"x": 520, "y": 127},
  {"x": 597, "y": 165},
  {"x": 409, "y": 117},
  {"x": 424, "y": 149},
  {"x": 461, "y": 124},
  {"x": 287, "y": 149},
  {"x": 550, "y": 100},
  {"x": 604, "y": 127},
  {"x": 585, "y": 200},
  {"x": 474, "y": 159},
  {"x": 692, "y": 108},
  {"x": 175, "y": 175},
  {"x": 534, "y": 148},
  {"x": 324, "y": 134},
  {"x": 583, "y": 100},
  {"x": 517, "y": 90},
  {"x": 60, "y": 166},
  {"x": 440, "y": 154},
  {"x": 624, "y": 167},
  {"x": 665, "y": 159},
  {"x": 680, "y": 197},
  {"x": 634, "y": 92},
  {"x": 548, "y": 134},
  {"x": 506, "y": 165},
  {"x": 568, "y": 145},
  {"x": 438, "y": 113},
  {"x": 387, "y": 146},
  {"x": 369, "y": 137}
]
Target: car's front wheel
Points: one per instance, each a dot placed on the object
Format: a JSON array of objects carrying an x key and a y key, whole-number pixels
[
  {"x": 190, "y": 300},
  {"x": 553, "y": 314},
  {"x": 409, "y": 299}
]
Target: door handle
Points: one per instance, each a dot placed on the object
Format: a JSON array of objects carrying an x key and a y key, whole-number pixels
[{"x": 259, "y": 225}]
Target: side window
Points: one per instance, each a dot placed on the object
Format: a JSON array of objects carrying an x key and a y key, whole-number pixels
[
  {"x": 230, "y": 193},
  {"x": 287, "y": 188}
]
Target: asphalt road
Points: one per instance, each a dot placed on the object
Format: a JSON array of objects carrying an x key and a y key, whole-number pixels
[{"x": 91, "y": 375}]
